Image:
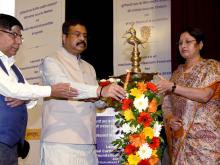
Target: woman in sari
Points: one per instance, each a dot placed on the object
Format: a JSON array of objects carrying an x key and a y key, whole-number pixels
[{"x": 191, "y": 105}]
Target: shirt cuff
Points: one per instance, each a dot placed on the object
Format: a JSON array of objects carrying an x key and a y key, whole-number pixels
[
  {"x": 90, "y": 92},
  {"x": 30, "y": 104},
  {"x": 48, "y": 91}
]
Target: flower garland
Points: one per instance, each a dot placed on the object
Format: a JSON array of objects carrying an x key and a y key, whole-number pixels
[{"x": 137, "y": 119}]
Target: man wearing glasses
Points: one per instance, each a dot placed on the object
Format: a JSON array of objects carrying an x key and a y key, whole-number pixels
[
  {"x": 16, "y": 95},
  {"x": 13, "y": 34}
]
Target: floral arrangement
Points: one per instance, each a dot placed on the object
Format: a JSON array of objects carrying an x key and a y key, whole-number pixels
[{"x": 137, "y": 119}]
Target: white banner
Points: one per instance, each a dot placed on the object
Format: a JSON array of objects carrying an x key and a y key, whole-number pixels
[
  {"x": 152, "y": 22},
  {"x": 42, "y": 21}
]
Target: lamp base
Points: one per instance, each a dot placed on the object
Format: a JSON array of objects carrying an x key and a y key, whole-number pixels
[{"x": 137, "y": 76}]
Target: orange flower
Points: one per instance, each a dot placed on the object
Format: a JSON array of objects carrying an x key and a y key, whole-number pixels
[
  {"x": 142, "y": 86},
  {"x": 137, "y": 139},
  {"x": 153, "y": 160},
  {"x": 152, "y": 86},
  {"x": 152, "y": 106}
]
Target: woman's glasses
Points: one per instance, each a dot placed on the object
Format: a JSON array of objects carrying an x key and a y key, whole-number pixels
[{"x": 187, "y": 42}]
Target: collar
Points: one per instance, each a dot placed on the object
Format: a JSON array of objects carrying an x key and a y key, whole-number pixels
[
  {"x": 5, "y": 59},
  {"x": 76, "y": 57}
]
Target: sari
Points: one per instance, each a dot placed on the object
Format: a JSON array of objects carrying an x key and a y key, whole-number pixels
[{"x": 198, "y": 141}]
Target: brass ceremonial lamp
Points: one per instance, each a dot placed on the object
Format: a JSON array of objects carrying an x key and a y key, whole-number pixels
[
  {"x": 135, "y": 71},
  {"x": 135, "y": 54},
  {"x": 134, "y": 74}
]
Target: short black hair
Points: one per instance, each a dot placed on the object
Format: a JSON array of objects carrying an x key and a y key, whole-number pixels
[
  {"x": 73, "y": 22},
  {"x": 8, "y": 21}
]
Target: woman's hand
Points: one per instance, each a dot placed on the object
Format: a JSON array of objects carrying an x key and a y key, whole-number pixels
[
  {"x": 175, "y": 124},
  {"x": 164, "y": 85}
]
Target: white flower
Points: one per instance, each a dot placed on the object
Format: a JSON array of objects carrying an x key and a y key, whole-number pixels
[
  {"x": 141, "y": 103},
  {"x": 145, "y": 151},
  {"x": 134, "y": 129},
  {"x": 126, "y": 128},
  {"x": 157, "y": 128}
]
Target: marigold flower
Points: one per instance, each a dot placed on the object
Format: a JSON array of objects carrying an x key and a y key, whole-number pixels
[
  {"x": 152, "y": 108},
  {"x": 137, "y": 139},
  {"x": 142, "y": 86}
]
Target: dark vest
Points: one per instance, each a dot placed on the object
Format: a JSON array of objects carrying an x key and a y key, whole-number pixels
[{"x": 13, "y": 121}]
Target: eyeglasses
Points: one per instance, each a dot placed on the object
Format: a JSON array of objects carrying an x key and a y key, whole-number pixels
[
  {"x": 14, "y": 35},
  {"x": 187, "y": 42},
  {"x": 78, "y": 34}
]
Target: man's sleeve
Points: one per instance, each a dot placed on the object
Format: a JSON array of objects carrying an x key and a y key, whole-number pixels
[
  {"x": 22, "y": 91},
  {"x": 52, "y": 73}
]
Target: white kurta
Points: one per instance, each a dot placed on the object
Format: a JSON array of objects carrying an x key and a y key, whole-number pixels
[{"x": 69, "y": 121}]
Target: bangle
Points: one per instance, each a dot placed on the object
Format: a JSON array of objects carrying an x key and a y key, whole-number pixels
[
  {"x": 100, "y": 93},
  {"x": 173, "y": 87}
]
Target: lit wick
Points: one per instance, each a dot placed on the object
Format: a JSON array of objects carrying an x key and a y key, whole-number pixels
[{"x": 127, "y": 79}]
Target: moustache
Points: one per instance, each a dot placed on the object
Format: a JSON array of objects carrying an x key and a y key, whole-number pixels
[{"x": 82, "y": 42}]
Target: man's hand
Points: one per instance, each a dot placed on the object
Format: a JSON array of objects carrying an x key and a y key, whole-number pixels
[
  {"x": 63, "y": 90},
  {"x": 12, "y": 102},
  {"x": 112, "y": 90}
]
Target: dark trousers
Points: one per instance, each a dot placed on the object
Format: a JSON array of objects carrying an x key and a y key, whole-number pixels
[{"x": 8, "y": 155}]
